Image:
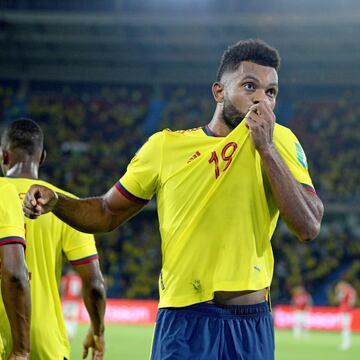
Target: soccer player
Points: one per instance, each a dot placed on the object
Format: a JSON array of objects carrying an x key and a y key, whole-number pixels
[
  {"x": 302, "y": 302},
  {"x": 48, "y": 239},
  {"x": 15, "y": 288},
  {"x": 346, "y": 297},
  {"x": 220, "y": 189},
  {"x": 70, "y": 291}
]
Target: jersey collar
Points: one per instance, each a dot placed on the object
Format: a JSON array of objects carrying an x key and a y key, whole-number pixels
[{"x": 209, "y": 132}]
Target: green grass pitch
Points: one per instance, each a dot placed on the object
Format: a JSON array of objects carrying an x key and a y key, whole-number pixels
[{"x": 133, "y": 343}]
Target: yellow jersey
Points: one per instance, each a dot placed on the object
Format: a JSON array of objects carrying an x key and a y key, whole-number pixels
[
  {"x": 12, "y": 231},
  {"x": 48, "y": 241},
  {"x": 216, "y": 210}
]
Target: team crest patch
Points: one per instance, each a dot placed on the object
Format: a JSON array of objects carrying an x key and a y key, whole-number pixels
[{"x": 300, "y": 154}]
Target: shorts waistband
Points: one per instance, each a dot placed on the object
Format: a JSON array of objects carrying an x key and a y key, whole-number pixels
[{"x": 227, "y": 310}]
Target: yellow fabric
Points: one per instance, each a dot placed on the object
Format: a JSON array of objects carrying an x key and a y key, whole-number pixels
[
  {"x": 11, "y": 229},
  {"x": 11, "y": 215},
  {"x": 48, "y": 239},
  {"x": 215, "y": 230}
]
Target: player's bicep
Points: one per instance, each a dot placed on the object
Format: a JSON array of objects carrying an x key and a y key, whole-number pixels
[
  {"x": 90, "y": 271},
  {"x": 12, "y": 259},
  {"x": 120, "y": 207}
]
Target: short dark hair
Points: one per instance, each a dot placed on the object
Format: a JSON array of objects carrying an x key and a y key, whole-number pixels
[
  {"x": 256, "y": 51},
  {"x": 23, "y": 134}
]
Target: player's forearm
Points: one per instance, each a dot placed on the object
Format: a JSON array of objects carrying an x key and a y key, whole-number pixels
[
  {"x": 94, "y": 296},
  {"x": 15, "y": 291},
  {"x": 88, "y": 215},
  {"x": 301, "y": 210}
]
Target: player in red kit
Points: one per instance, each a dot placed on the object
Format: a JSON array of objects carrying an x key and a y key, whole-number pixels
[
  {"x": 302, "y": 302},
  {"x": 346, "y": 297},
  {"x": 71, "y": 287}
]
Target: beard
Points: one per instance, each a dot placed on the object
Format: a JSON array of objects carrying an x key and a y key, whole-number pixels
[{"x": 231, "y": 115}]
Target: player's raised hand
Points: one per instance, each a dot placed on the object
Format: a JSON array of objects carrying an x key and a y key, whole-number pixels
[
  {"x": 97, "y": 343},
  {"x": 260, "y": 120},
  {"x": 39, "y": 200}
]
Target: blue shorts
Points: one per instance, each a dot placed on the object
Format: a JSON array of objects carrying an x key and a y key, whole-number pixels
[{"x": 214, "y": 332}]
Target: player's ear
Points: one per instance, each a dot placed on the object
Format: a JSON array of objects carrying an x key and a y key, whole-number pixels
[
  {"x": 5, "y": 156},
  {"x": 218, "y": 91},
  {"x": 43, "y": 157}
]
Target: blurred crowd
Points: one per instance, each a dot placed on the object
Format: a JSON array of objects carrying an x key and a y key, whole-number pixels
[
  {"x": 317, "y": 265},
  {"x": 330, "y": 135},
  {"x": 91, "y": 134}
]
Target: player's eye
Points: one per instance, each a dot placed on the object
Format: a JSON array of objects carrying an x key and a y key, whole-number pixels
[
  {"x": 271, "y": 92},
  {"x": 249, "y": 86}
]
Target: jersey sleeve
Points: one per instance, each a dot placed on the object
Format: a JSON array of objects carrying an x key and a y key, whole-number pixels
[
  {"x": 142, "y": 175},
  {"x": 12, "y": 228},
  {"x": 79, "y": 248},
  {"x": 294, "y": 156}
]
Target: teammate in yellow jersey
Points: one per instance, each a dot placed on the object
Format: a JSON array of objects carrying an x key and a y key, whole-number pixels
[
  {"x": 14, "y": 277},
  {"x": 219, "y": 192},
  {"x": 48, "y": 240}
]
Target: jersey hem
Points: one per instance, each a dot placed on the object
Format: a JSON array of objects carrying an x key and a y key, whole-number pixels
[
  {"x": 183, "y": 301},
  {"x": 309, "y": 188},
  {"x": 129, "y": 195},
  {"x": 12, "y": 240},
  {"x": 84, "y": 260}
]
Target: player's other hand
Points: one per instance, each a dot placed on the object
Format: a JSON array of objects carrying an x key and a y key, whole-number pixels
[
  {"x": 16, "y": 356},
  {"x": 97, "y": 343},
  {"x": 39, "y": 200}
]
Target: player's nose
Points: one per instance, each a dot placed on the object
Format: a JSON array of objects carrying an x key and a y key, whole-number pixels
[{"x": 259, "y": 96}]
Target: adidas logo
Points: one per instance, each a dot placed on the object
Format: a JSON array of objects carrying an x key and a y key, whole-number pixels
[{"x": 196, "y": 155}]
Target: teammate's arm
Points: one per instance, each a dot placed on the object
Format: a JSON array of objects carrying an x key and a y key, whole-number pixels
[
  {"x": 15, "y": 290},
  {"x": 301, "y": 210},
  {"x": 94, "y": 296},
  {"x": 90, "y": 215},
  {"x": 338, "y": 293}
]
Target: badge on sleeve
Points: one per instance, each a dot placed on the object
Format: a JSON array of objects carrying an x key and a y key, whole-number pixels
[{"x": 300, "y": 154}]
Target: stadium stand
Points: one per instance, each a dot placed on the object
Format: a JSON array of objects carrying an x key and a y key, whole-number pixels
[{"x": 72, "y": 117}]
